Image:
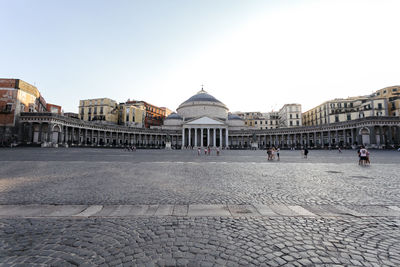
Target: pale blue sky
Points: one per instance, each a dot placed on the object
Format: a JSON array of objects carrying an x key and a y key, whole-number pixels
[{"x": 251, "y": 55}]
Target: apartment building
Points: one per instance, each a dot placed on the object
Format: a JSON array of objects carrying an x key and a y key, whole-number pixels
[{"x": 340, "y": 110}]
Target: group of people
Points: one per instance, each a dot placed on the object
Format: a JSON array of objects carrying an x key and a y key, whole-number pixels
[
  {"x": 363, "y": 156},
  {"x": 273, "y": 152},
  {"x": 207, "y": 151},
  {"x": 130, "y": 148}
]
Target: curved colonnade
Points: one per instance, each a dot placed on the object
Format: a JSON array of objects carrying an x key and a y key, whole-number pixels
[{"x": 55, "y": 130}]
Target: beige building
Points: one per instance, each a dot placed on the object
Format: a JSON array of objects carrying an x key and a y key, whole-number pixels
[
  {"x": 340, "y": 110},
  {"x": 392, "y": 94},
  {"x": 290, "y": 116},
  {"x": 99, "y": 109},
  {"x": 132, "y": 115}
]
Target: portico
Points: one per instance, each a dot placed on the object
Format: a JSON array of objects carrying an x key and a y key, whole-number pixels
[{"x": 204, "y": 132}]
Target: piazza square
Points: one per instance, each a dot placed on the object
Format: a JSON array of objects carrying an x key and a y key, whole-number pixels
[{"x": 109, "y": 207}]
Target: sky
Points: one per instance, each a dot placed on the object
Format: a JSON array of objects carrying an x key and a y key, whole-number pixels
[{"x": 251, "y": 55}]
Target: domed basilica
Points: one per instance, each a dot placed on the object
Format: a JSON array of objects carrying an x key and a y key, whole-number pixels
[{"x": 204, "y": 121}]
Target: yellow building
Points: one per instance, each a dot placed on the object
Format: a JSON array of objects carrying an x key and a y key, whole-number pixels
[
  {"x": 132, "y": 115},
  {"x": 99, "y": 109},
  {"x": 340, "y": 110},
  {"x": 392, "y": 94}
]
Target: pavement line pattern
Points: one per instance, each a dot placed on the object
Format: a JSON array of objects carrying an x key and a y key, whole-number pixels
[
  {"x": 195, "y": 210},
  {"x": 89, "y": 211}
]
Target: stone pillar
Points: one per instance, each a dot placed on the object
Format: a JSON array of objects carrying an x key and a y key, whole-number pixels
[
  {"x": 201, "y": 137},
  {"x": 315, "y": 139},
  {"x": 397, "y": 138},
  {"x": 226, "y": 138},
  {"x": 329, "y": 138},
  {"x": 352, "y": 136},
  {"x": 389, "y": 136},
  {"x": 381, "y": 136},
  {"x": 40, "y": 133},
  {"x": 189, "y": 136},
  {"x": 49, "y": 132},
  {"x": 208, "y": 136},
  {"x": 215, "y": 137},
  {"x": 30, "y": 133},
  {"x": 66, "y": 134},
  {"x": 61, "y": 135},
  {"x": 359, "y": 137},
  {"x": 220, "y": 137},
  {"x": 372, "y": 135},
  {"x": 183, "y": 138},
  {"x": 301, "y": 139},
  {"x": 321, "y": 137},
  {"x": 195, "y": 137},
  {"x": 337, "y": 138}
]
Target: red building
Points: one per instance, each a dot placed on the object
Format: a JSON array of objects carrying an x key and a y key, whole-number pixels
[{"x": 154, "y": 115}]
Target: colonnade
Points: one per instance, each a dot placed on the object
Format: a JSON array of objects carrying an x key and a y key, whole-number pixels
[
  {"x": 205, "y": 137},
  {"x": 39, "y": 128},
  {"x": 370, "y": 135}
]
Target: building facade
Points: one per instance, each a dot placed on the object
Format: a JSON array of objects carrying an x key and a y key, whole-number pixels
[
  {"x": 132, "y": 115},
  {"x": 17, "y": 96},
  {"x": 99, "y": 109},
  {"x": 154, "y": 115},
  {"x": 200, "y": 121},
  {"x": 392, "y": 94},
  {"x": 290, "y": 116},
  {"x": 341, "y": 110}
]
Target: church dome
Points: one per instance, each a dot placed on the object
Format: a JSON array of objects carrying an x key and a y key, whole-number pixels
[
  {"x": 174, "y": 116},
  {"x": 202, "y": 96},
  {"x": 203, "y": 104},
  {"x": 234, "y": 117}
]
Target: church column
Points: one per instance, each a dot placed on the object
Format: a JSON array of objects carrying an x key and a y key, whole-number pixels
[
  {"x": 315, "y": 139},
  {"x": 220, "y": 137},
  {"x": 189, "y": 136},
  {"x": 226, "y": 138},
  {"x": 215, "y": 137},
  {"x": 208, "y": 136},
  {"x": 195, "y": 137},
  {"x": 201, "y": 137},
  {"x": 183, "y": 137}
]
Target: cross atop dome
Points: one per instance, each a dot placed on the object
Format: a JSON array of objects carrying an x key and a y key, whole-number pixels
[{"x": 202, "y": 90}]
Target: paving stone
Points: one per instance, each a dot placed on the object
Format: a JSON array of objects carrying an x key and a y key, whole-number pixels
[{"x": 208, "y": 210}]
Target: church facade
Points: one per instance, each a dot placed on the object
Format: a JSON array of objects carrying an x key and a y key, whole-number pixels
[{"x": 204, "y": 121}]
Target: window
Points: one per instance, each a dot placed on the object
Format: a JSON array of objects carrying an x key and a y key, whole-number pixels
[
  {"x": 291, "y": 123},
  {"x": 8, "y": 107},
  {"x": 351, "y": 105},
  {"x": 95, "y": 110},
  {"x": 90, "y": 111},
  {"x": 297, "y": 115},
  {"x": 89, "y": 118},
  {"x": 379, "y": 105},
  {"x": 345, "y": 105},
  {"x": 297, "y": 123},
  {"x": 290, "y": 115},
  {"x": 394, "y": 90},
  {"x": 82, "y": 111},
  {"x": 101, "y": 110},
  {"x": 349, "y": 117},
  {"x": 336, "y": 118},
  {"x": 255, "y": 122}
]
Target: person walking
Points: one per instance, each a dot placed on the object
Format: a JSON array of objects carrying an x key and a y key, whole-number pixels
[
  {"x": 363, "y": 156},
  {"x": 305, "y": 152},
  {"x": 278, "y": 150}
]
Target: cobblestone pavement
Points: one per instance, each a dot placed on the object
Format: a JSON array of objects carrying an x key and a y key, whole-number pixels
[{"x": 353, "y": 214}]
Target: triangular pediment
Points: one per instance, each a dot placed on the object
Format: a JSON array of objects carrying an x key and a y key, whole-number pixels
[{"x": 204, "y": 121}]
